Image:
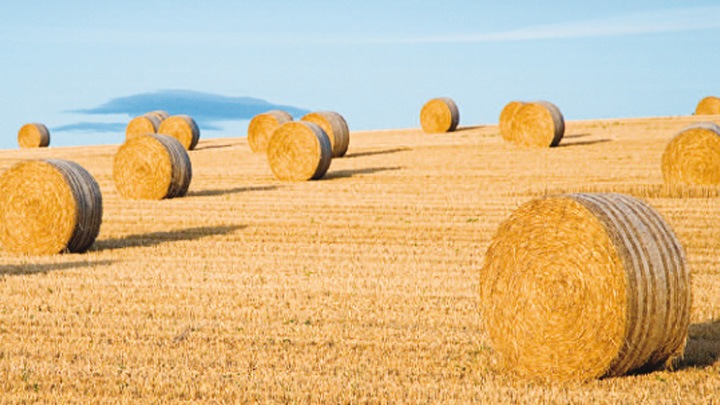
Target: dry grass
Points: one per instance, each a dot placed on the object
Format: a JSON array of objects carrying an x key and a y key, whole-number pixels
[{"x": 362, "y": 287}]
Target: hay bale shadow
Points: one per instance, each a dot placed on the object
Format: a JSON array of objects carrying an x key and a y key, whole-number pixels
[
  {"x": 703, "y": 345},
  {"x": 157, "y": 238},
  {"x": 583, "y": 143},
  {"x": 376, "y": 152},
  {"x": 468, "y": 128},
  {"x": 340, "y": 174},
  {"x": 42, "y": 268},
  {"x": 227, "y": 145},
  {"x": 217, "y": 192},
  {"x": 573, "y": 136}
]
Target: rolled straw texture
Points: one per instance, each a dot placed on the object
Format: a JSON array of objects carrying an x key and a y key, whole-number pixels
[
  {"x": 708, "y": 106},
  {"x": 299, "y": 151},
  {"x": 439, "y": 115},
  {"x": 262, "y": 126},
  {"x": 144, "y": 124},
  {"x": 582, "y": 286},
  {"x": 538, "y": 124},
  {"x": 161, "y": 114},
  {"x": 335, "y": 127},
  {"x": 506, "y": 117},
  {"x": 152, "y": 167},
  {"x": 693, "y": 156},
  {"x": 33, "y": 135},
  {"x": 49, "y": 207},
  {"x": 183, "y": 128}
]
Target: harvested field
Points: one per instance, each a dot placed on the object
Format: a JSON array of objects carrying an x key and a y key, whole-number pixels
[{"x": 362, "y": 287}]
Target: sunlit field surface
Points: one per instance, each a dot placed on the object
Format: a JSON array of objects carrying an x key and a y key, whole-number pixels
[{"x": 360, "y": 287}]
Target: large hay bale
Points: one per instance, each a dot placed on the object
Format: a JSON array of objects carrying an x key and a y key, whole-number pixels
[
  {"x": 439, "y": 115},
  {"x": 152, "y": 167},
  {"x": 708, "y": 106},
  {"x": 262, "y": 126},
  {"x": 538, "y": 124},
  {"x": 160, "y": 114},
  {"x": 49, "y": 207},
  {"x": 33, "y": 135},
  {"x": 506, "y": 118},
  {"x": 299, "y": 151},
  {"x": 335, "y": 127},
  {"x": 183, "y": 128},
  {"x": 144, "y": 124},
  {"x": 693, "y": 156},
  {"x": 582, "y": 286}
]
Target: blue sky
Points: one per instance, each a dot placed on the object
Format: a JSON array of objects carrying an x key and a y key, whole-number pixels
[{"x": 375, "y": 62}]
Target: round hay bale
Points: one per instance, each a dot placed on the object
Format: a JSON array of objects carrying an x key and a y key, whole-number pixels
[
  {"x": 538, "y": 124},
  {"x": 152, "y": 167},
  {"x": 144, "y": 124},
  {"x": 583, "y": 286},
  {"x": 439, "y": 115},
  {"x": 708, "y": 106},
  {"x": 693, "y": 156},
  {"x": 335, "y": 127},
  {"x": 183, "y": 128},
  {"x": 161, "y": 114},
  {"x": 299, "y": 151},
  {"x": 506, "y": 117},
  {"x": 33, "y": 135},
  {"x": 262, "y": 126},
  {"x": 49, "y": 207}
]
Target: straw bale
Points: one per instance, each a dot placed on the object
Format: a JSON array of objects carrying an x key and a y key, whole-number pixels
[
  {"x": 582, "y": 286},
  {"x": 141, "y": 125},
  {"x": 160, "y": 114},
  {"x": 693, "y": 156},
  {"x": 49, "y": 207},
  {"x": 708, "y": 106},
  {"x": 33, "y": 135},
  {"x": 183, "y": 128},
  {"x": 335, "y": 127},
  {"x": 506, "y": 117},
  {"x": 439, "y": 115},
  {"x": 262, "y": 126},
  {"x": 538, "y": 124},
  {"x": 152, "y": 167},
  {"x": 299, "y": 151}
]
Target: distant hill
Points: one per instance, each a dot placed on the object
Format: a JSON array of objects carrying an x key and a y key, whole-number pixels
[{"x": 206, "y": 108}]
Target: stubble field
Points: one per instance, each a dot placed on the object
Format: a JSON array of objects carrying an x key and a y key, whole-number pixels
[{"x": 361, "y": 287}]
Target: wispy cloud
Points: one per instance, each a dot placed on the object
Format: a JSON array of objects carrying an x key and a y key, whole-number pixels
[{"x": 651, "y": 22}]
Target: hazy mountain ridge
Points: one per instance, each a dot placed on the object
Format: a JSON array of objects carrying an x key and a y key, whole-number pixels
[{"x": 206, "y": 108}]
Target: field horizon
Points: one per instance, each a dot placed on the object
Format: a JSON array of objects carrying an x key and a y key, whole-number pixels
[{"x": 360, "y": 287}]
